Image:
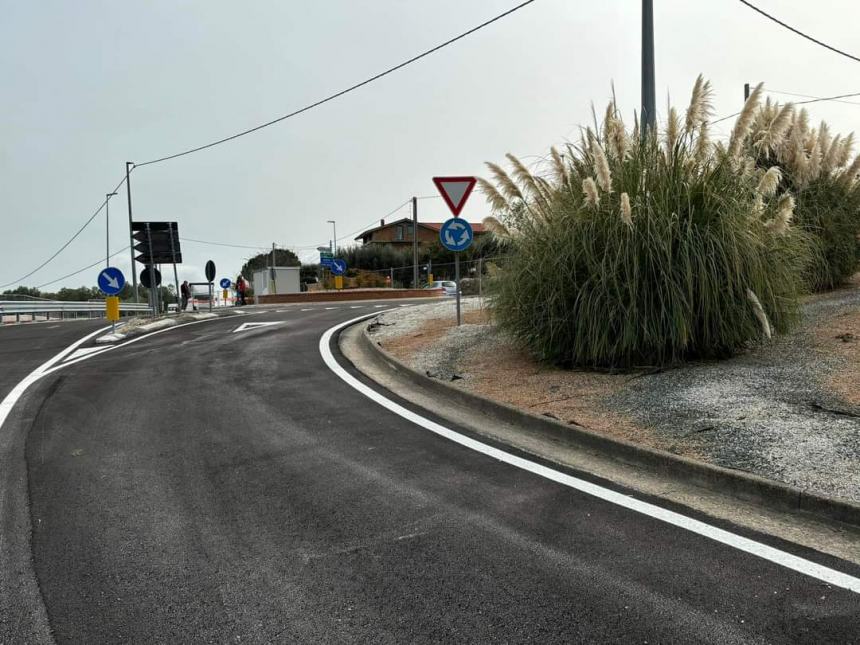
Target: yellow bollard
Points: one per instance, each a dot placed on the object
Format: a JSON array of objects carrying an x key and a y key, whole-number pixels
[
  {"x": 112, "y": 308},
  {"x": 338, "y": 282},
  {"x": 429, "y": 278}
]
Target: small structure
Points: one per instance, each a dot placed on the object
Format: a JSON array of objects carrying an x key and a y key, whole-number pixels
[
  {"x": 276, "y": 281},
  {"x": 399, "y": 233}
]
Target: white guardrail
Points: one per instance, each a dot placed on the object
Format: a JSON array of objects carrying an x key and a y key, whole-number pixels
[{"x": 13, "y": 310}]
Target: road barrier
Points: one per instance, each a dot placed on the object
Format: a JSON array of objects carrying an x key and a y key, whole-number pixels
[{"x": 11, "y": 311}]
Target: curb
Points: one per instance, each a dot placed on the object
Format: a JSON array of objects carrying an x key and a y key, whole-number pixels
[{"x": 746, "y": 486}]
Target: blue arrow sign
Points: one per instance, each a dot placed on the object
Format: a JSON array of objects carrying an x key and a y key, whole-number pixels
[
  {"x": 225, "y": 283},
  {"x": 338, "y": 266},
  {"x": 456, "y": 234},
  {"x": 111, "y": 281},
  {"x": 327, "y": 262}
]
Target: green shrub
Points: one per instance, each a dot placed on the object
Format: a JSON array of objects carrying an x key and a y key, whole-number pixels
[
  {"x": 637, "y": 251},
  {"x": 815, "y": 170}
]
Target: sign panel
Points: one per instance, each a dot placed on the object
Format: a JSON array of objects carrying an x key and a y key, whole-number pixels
[
  {"x": 146, "y": 277},
  {"x": 225, "y": 283},
  {"x": 157, "y": 242},
  {"x": 111, "y": 281},
  {"x": 210, "y": 270},
  {"x": 338, "y": 266},
  {"x": 455, "y": 191},
  {"x": 456, "y": 234}
]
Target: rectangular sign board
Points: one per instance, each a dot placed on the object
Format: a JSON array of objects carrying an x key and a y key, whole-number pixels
[{"x": 157, "y": 242}]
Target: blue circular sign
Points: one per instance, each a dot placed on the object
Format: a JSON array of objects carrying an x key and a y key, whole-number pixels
[
  {"x": 111, "y": 281},
  {"x": 338, "y": 266},
  {"x": 456, "y": 234},
  {"x": 225, "y": 283}
]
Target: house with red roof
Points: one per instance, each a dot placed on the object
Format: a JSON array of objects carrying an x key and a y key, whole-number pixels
[{"x": 399, "y": 232}]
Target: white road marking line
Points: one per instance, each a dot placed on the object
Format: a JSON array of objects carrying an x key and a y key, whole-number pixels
[
  {"x": 357, "y": 307},
  {"x": 86, "y": 351},
  {"x": 777, "y": 556},
  {"x": 254, "y": 325},
  {"x": 379, "y": 306},
  {"x": 330, "y": 308},
  {"x": 305, "y": 309},
  {"x": 12, "y": 398}
]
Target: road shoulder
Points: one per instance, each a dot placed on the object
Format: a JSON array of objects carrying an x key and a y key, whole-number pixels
[{"x": 539, "y": 437}]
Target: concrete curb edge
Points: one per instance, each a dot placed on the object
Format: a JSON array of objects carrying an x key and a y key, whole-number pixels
[{"x": 746, "y": 486}]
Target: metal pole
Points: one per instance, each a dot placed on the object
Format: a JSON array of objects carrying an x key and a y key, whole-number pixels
[
  {"x": 457, "y": 282},
  {"x": 480, "y": 277},
  {"x": 107, "y": 229},
  {"x": 128, "y": 165},
  {"x": 649, "y": 92},
  {"x": 175, "y": 274},
  {"x": 273, "y": 286},
  {"x": 746, "y": 91},
  {"x": 153, "y": 294},
  {"x": 414, "y": 242},
  {"x": 391, "y": 273}
]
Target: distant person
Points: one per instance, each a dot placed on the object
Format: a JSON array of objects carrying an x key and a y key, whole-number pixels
[
  {"x": 240, "y": 290},
  {"x": 186, "y": 295}
]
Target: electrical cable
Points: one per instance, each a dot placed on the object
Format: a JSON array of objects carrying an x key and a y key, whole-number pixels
[
  {"x": 341, "y": 92},
  {"x": 798, "y": 32},
  {"x": 94, "y": 264},
  {"x": 71, "y": 239},
  {"x": 817, "y": 98},
  {"x": 812, "y": 100}
]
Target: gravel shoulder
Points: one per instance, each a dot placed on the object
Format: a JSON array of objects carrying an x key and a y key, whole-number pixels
[{"x": 788, "y": 410}]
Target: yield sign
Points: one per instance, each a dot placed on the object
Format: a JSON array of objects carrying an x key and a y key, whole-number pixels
[
  {"x": 455, "y": 191},
  {"x": 254, "y": 325}
]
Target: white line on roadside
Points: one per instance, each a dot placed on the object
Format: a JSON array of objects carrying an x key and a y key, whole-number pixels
[
  {"x": 305, "y": 309},
  {"x": 11, "y": 399},
  {"x": 788, "y": 560},
  {"x": 357, "y": 307},
  {"x": 330, "y": 308},
  {"x": 379, "y": 306}
]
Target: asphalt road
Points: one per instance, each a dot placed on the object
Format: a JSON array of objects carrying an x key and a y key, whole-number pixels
[{"x": 204, "y": 485}]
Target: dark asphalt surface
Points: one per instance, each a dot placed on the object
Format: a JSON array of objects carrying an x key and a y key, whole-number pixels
[
  {"x": 206, "y": 486},
  {"x": 26, "y": 346}
]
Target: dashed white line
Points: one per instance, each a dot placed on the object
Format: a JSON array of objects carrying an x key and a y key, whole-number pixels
[
  {"x": 357, "y": 307},
  {"x": 305, "y": 309},
  {"x": 330, "y": 308},
  {"x": 788, "y": 560}
]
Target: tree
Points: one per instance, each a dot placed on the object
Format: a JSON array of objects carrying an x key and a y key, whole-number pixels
[{"x": 283, "y": 258}]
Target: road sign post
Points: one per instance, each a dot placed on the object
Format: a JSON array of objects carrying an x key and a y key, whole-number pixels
[
  {"x": 456, "y": 234},
  {"x": 111, "y": 282},
  {"x": 210, "y": 276}
]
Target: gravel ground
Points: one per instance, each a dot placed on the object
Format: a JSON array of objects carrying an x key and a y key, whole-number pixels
[{"x": 768, "y": 411}]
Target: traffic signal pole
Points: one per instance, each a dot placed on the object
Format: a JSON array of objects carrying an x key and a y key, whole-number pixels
[
  {"x": 414, "y": 242},
  {"x": 128, "y": 165}
]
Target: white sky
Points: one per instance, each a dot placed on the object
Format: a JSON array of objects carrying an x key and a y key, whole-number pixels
[{"x": 88, "y": 85}]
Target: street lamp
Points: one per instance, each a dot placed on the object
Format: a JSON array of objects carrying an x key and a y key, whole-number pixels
[
  {"x": 333, "y": 237},
  {"x": 107, "y": 228}
]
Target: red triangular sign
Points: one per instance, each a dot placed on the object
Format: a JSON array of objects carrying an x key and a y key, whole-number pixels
[{"x": 455, "y": 191}]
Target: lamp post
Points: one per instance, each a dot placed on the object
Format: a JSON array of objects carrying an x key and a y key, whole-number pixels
[
  {"x": 333, "y": 237},
  {"x": 107, "y": 228}
]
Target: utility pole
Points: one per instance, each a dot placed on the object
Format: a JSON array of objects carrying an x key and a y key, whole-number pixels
[
  {"x": 746, "y": 91},
  {"x": 274, "y": 288},
  {"x": 649, "y": 92},
  {"x": 107, "y": 228},
  {"x": 128, "y": 166},
  {"x": 414, "y": 242},
  {"x": 333, "y": 236}
]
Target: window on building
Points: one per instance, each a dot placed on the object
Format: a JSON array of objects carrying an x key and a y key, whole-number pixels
[{"x": 398, "y": 233}]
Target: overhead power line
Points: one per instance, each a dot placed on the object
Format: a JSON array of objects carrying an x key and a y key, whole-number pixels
[
  {"x": 811, "y": 100},
  {"x": 69, "y": 241},
  {"x": 336, "y": 95},
  {"x": 799, "y": 33},
  {"x": 86, "y": 268}
]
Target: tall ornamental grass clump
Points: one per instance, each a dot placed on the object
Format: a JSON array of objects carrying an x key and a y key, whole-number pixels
[
  {"x": 645, "y": 251},
  {"x": 818, "y": 171}
]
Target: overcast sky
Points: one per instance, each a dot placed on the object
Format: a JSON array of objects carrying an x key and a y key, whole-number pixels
[{"x": 89, "y": 85}]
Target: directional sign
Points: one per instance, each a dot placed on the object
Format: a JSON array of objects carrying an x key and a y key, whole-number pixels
[
  {"x": 111, "y": 281},
  {"x": 210, "y": 270},
  {"x": 456, "y": 234},
  {"x": 455, "y": 191},
  {"x": 225, "y": 283},
  {"x": 157, "y": 242},
  {"x": 146, "y": 277},
  {"x": 338, "y": 266}
]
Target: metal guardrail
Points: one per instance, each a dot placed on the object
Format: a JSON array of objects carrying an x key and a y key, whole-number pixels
[{"x": 44, "y": 309}]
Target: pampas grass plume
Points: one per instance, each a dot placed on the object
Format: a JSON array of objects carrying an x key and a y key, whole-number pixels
[
  {"x": 759, "y": 313},
  {"x": 626, "y": 211},
  {"x": 590, "y": 190},
  {"x": 769, "y": 182}
]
